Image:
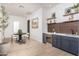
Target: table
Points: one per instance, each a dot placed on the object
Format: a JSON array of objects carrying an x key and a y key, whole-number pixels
[{"x": 20, "y": 36}]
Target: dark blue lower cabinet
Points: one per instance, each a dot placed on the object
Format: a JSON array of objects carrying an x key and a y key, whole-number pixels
[
  {"x": 73, "y": 45},
  {"x": 64, "y": 43},
  {"x": 69, "y": 44},
  {"x": 44, "y": 38},
  {"x": 56, "y": 41}
]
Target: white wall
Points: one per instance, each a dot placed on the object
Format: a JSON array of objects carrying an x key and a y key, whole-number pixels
[
  {"x": 44, "y": 20},
  {"x": 36, "y": 33},
  {"x": 60, "y": 10},
  {"x": 23, "y": 24}
]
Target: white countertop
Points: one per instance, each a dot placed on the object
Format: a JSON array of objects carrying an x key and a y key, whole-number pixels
[{"x": 69, "y": 35}]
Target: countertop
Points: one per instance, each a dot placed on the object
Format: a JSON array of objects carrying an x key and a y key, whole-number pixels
[{"x": 69, "y": 35}]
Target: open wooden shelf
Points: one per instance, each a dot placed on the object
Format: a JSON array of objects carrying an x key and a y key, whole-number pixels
[
  {"x": 65, "y": 22},
  {"x": 71, "y": 14}
]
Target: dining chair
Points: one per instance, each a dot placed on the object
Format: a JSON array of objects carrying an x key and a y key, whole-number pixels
[{"x": 14, "y": 38}]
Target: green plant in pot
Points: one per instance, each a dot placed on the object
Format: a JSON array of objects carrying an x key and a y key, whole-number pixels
[
  {"x": 78, "y": 6},
  {"x": 68, "y": 10},
  {"x": 3, "y": 21},
  {"x": 75, "y": 7},
  {"x": 4, "y": 44}
]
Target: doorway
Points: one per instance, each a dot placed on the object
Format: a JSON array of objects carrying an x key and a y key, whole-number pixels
[{"x": 28, "y": 26}]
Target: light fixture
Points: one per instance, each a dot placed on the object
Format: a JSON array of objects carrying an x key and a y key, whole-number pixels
[{"x": 21, "y": 6}]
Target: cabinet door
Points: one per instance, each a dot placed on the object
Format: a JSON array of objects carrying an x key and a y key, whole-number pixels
[
  {"x": 73, "y": 45},
  {"x": 65, "y": 43},
  {"x": 56, "y": 41},
  {"x": 44, "y": 38}
]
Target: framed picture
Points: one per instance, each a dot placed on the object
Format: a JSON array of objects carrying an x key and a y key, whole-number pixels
[{"x": 35, "y": 23}]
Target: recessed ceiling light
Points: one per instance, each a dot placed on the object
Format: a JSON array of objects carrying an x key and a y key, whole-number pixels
[{"x": 21, "y": 6}]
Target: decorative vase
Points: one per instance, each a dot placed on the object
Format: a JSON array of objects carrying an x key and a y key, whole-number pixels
[
  {"x": 72, "y": 11},
  {"x": 71, "y": 18},
  {"x": 4, "y": 48},
  {"x": 0, "y": 37},
  {"x": 54, "y": 21},
  {"x": 50, "y": 21}
]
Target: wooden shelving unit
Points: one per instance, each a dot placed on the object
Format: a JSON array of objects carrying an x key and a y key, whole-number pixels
[
  {"x": 49, "y": 18},
  {"x": 67, "y": 27}
]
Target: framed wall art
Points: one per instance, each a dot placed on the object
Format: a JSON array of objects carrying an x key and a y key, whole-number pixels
[{"x": 35, "y": 22}]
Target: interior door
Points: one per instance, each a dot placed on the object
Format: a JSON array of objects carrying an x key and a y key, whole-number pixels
[{"x": 28, "y": 26}]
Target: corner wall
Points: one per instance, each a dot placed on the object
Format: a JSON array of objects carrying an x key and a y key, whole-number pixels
[{"x": 36, "y": 33}]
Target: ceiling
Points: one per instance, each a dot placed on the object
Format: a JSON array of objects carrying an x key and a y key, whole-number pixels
[{"x": 24, "y": 9}]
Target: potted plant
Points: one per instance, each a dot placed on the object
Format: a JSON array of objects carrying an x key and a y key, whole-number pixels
[
  {"x": 72, "y": 10},
  {"x": 4, "y": 45},
  {"x": 54, "y": 17},
  {"x": 75, "y": 7},
  {"x": 78, "y": 6},
  {"x": 68, "y": 11}
]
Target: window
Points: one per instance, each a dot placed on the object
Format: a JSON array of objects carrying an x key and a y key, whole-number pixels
[{"x": 16, "y": 26}]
